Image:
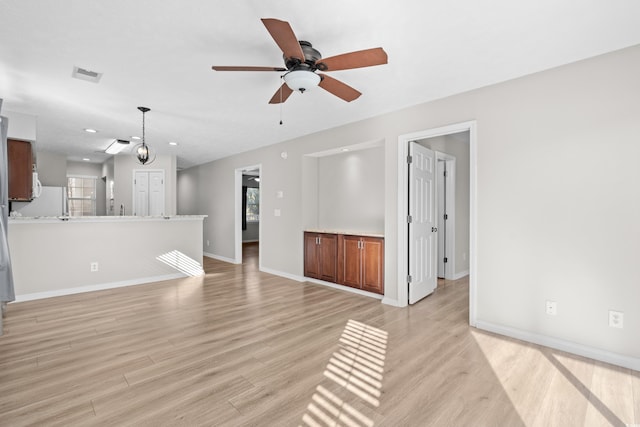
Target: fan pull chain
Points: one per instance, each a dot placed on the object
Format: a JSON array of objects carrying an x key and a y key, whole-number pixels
[{"x": 280, "y": 105}]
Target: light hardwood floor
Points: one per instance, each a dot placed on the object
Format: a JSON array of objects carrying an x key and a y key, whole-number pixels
[{"x": 238, "y": 347}]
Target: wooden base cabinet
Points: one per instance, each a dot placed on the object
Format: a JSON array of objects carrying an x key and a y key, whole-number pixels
[
  {"x": 321, "y": 256},
  {"x": 354, "y": 261},
  {"x": 361, "y": 263}
]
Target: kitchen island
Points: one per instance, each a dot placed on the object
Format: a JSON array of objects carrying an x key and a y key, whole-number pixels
[{"x": 54, "y": 256}]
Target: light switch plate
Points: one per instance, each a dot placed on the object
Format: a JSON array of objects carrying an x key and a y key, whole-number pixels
[
  {"x": 276, "y": 212},
  {"x": 551, "y": 308},
  {"x": 616, "y": 319}
]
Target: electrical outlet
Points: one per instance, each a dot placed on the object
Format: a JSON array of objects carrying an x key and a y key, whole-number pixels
[
  {"x": 207, "y": 243},
  {"x": 551, "y": 308},
  {"x": 94, "y": 267},
  {"x": 616, "y": 319}
]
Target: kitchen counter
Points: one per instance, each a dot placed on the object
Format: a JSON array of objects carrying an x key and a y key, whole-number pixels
[
  {"x": 63, "y": 255},
  {"x": 84, "y": 219}
]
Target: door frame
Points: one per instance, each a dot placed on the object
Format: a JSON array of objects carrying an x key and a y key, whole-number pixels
[
  {"x": 238, "y": 213},
  {"x": 403, "y": 209}
]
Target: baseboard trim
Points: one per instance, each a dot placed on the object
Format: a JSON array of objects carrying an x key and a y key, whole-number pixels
[
  {"x": 559, "y": 344},
  {"x": 392, "y": 302},
  {"x": 283, "y": 274},
  {"x": 321, "y": 282},
  {"x": 98, "y": 287},
  {"x": 220, "y": 258},
  {"x": 342, "y": 288},
  {"x": 460, "y": 275}
]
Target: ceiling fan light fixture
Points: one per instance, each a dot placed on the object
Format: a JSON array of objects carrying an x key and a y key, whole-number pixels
[{"x": 301, "y": 80}]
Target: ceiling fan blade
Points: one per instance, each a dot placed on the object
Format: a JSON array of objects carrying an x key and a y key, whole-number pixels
[
  {"x": 339, "y": 89},
  {"x": 358, "y": 59},
  {"x": 242, "y": 68},
  {"x": 284, "y": 37},
  {"x": 281, "y": 94}
]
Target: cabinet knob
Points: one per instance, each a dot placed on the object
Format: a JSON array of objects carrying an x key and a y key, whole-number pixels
[{"x": 434, "y": 229}]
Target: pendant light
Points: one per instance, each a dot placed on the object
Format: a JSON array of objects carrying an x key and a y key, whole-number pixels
[{"x": 142, "y": 150}]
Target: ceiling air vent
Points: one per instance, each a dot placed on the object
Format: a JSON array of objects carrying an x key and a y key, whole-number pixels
[{"x": 88, "y": 75}]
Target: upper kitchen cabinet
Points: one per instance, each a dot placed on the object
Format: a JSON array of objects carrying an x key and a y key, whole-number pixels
[{"x": 20, "y": 168}]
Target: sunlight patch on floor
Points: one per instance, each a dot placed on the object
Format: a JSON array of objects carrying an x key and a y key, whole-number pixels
[
  {"x": 570, "y": 381},
  {"x": 356, "y": 369},
  {"x": 181, "y": 262}
]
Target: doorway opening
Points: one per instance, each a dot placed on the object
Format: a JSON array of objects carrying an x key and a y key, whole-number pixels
[
  {"x": 446, "y": 213},
  {"x": 247, "y": 211},
  {"x": 459, "y": 235}
]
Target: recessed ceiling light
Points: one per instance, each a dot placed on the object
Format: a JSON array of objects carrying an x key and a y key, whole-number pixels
[
  {"x": 135, "y": 137},
  {"x": 344, "y": 150},
  {"x": 90, "y": 130},
  {"x": 173, "y": 143},
  {"x": 86, "y": 159}
]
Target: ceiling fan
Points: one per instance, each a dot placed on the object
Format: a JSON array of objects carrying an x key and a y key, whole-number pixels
[{"x": 303, "y": 62}]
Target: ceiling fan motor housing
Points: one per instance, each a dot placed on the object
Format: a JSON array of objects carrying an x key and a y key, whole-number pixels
[{"x": 311, "y": 56}]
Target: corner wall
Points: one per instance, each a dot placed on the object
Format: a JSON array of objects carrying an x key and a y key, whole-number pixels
[{"x": 557, "y": 199}]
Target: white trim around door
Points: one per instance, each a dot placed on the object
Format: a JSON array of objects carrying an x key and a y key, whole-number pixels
[{"x": 403, "y": 209}]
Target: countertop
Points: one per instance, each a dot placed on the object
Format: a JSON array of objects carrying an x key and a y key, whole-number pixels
[
  {"x": 345, "y": 232},
  {"x": 78, "y": 219}
]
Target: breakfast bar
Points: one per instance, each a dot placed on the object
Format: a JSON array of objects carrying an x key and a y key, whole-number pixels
[{"x": 54, "y": 256}]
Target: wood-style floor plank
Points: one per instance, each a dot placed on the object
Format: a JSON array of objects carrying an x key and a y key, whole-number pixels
[{"x": 238, "y": 347}]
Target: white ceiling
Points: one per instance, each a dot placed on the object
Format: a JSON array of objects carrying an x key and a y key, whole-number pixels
[{"x": 158, "y": 54}]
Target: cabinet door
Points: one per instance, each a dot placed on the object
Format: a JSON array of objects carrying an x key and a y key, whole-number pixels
[
  {"x": 373, "y": 264},
  {"x": 20, "y": 168},
  {"x": 351, "y": 262},
  {"x": 311, "y": 256},
  {"x": 328, "y": 258}
]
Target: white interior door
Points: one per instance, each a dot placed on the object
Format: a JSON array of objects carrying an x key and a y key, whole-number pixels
[
  {"x": 422, "y": 226},
  {"x": 148, "y": 193},
  {"x": 141, "y": 193},
  {"x": 156, "y": 193}
]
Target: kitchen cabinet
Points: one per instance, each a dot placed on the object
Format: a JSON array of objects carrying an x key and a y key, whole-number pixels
[
  {"x": 20, "y": 170},
  {"x": 321, "y": 256},
  {"x": 350, "y": 260},
  {"x": 361, "y": 263}
]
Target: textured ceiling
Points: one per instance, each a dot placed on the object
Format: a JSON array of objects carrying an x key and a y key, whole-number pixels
[{"x": 158, "y": 54}]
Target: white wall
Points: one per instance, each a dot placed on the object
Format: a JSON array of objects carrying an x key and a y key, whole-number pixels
[
  {"x": 91, "y": 169},
  {"x": 351, "y": 191},
  {"x": 125, "y": 164},
  {"x": 52, "y": 169},
  {"x": 187, "y": 188},
  {"x": 557, "y": 198},
  {"x": 21, "y": 126}
]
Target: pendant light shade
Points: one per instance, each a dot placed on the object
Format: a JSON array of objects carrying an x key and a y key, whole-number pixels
[{"x": 142, "y": 150}]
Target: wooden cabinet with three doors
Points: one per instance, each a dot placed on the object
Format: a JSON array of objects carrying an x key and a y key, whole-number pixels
[{"x": 346, "y": 259}]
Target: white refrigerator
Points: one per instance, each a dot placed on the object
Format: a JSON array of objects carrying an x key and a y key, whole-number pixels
[{"x": 51, "y": 202}]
